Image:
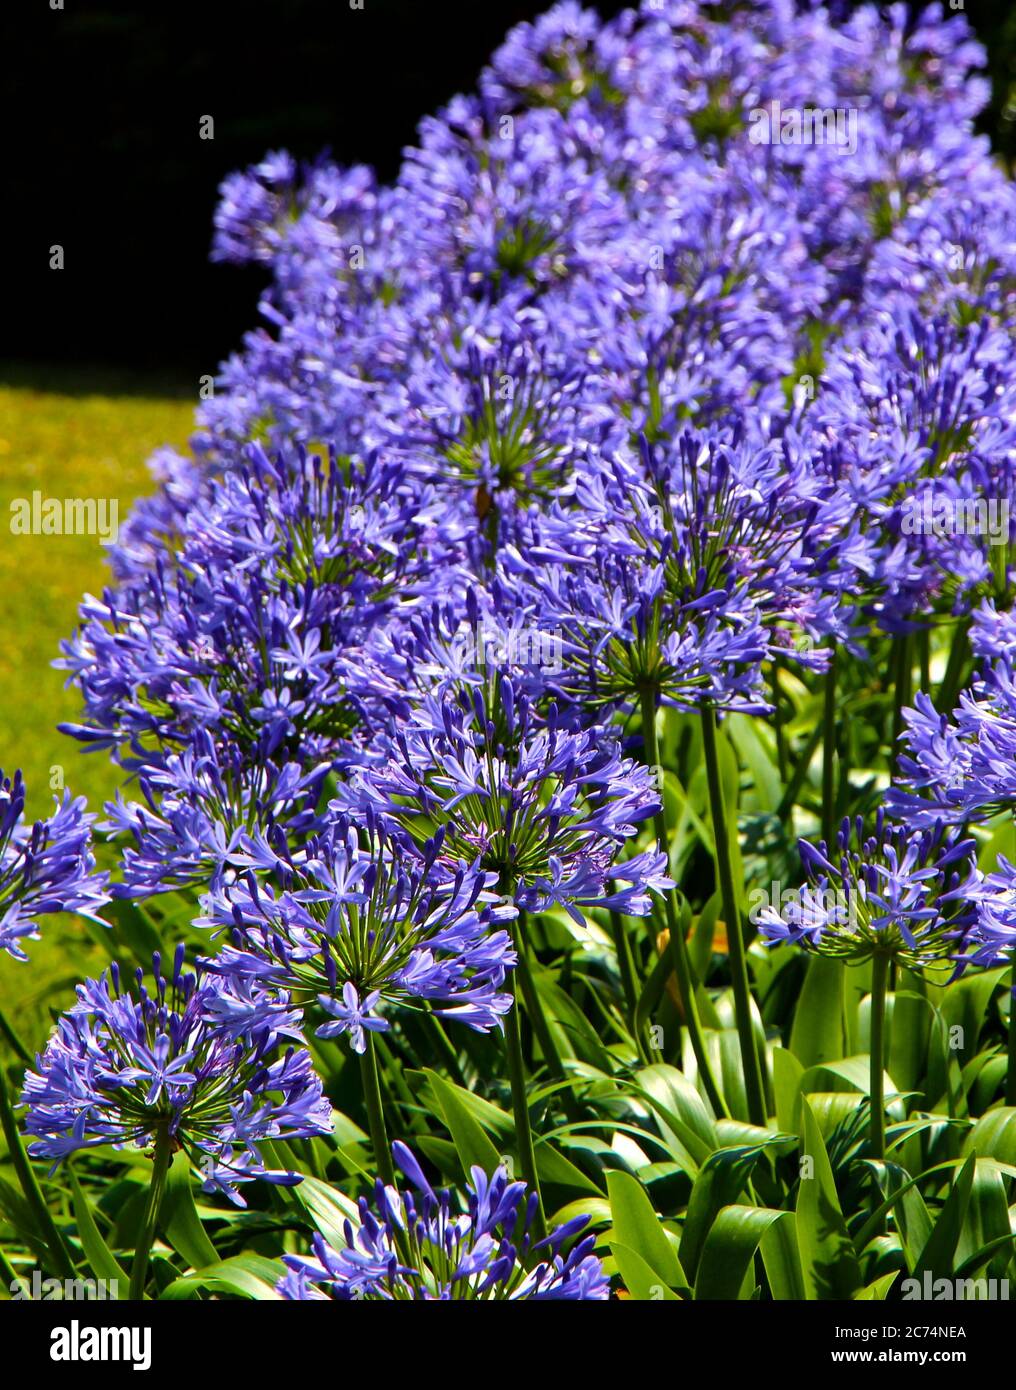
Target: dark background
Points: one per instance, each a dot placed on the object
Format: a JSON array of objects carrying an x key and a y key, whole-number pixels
[{"x": 102, "y": 108}]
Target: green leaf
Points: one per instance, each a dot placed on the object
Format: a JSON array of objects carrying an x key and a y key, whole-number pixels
[
  {"x": 828, "y": 1261},
  {"x": 327, "y": 1207},
  {"x": 877, "y": 1290},
  {"x": 637, "y": 1227},
  {"x": 639, "y": 1278},
  {"x": 787, "y": 1074},
  {"x": 782, "y": 1260},
  {"x": 720, "y": 1182},
  {"x": 43, "y": 1221},
  {"x": 472, "y": 1145},
  {"x": 817, "y": 1034},
  {"x": 180, "y": 1223},
  {"x": 938, "y": 1255},
  {"x": 987, "y": 1220},
  {"x": 101, "y": 1260},
  {"x": 680, "y": 1109},
  {"x": 729, "y": 1249},
  {"x": 250, "y": 1276},
  {"x": 764, "y": 777},
  {"x": 994, "y": 1136},
  {"x": 908, "y": 1026}
]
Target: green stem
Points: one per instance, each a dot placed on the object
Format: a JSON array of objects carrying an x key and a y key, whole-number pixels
[
  {"x": 901, "y": 695},
  {"x": 879, "y": 982},
  {"x": 7, "y": 1031},
  {"x": 1010, "y": 1074},
  {"x": 444, "y": 1046},
  {"x": 625, "y": 965},
  {"x": 924, "y": 657},
  {"x": 948, "y": 691},
  {"x": 520, "y": 1111},
  {"x": 753, "y": 1085},
  {"x": 371, "y": 1084},
  {"x": 686, "y": 982},
  {"x": 30, "y": 1185},
  {"x": 541, "y": 1028},
  {"x": 534, "y": 1008},
  {"x": 781, "y": 740},
  {"x": 153, "y": 1206},
  {"x": 829, "y": 756}
]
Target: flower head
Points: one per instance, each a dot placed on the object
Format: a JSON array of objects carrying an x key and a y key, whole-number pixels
[
  {"x": 418, "y": 1244},
  {"x": 46, "y": 867},
  {"x": 544, "y": 809},
  {"x": 888, "y": 893},
  {"x": 206, "y": 1063},
  {"x": 362, "y": 924}
]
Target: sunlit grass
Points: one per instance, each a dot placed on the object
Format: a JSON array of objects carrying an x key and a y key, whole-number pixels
[{"x": 64, "y": 434}]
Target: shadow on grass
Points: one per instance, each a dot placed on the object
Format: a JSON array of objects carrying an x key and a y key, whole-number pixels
[{"x": 74, "y": 379}]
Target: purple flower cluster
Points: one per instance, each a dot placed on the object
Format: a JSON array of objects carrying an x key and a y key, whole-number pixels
[
  {"x": 543, "y": 809},
  {"x": 416, "y": 1245},
  {"x": 621, "y": 368},
  {"x": 362, "y": 929},
  {"x": 892, "y": 892},
  {"x": 209, "y": 1066},
  {"x": 46, "y": 867}
]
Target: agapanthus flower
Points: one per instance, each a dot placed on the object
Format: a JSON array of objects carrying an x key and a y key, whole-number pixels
[
  {"x": 416, "y": 1244},
  {"x": 44, "y": 867},
  {"x": 682, "y": 570},
  {"x": 916, "y": 410},
  {"x": 961, "y": 767},
  {"x": 993, "y": 633},
  {"x": 209, "y": 1065},
  {"x": 891, "y": 892},
  {"x": 261, "y": 621},
  {"x": 543, "y": 808},
  {"x": 991, "y": 940},
  {"x": 197, "y": 808},
  {"x": 363, "y": 924}
]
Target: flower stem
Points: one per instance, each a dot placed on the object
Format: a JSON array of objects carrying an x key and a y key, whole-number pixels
[
  {"x": 30, "y": 1185},
  {"x": 829, "y": 756},
  {"x": 879, "y": 983},
  {"x": 901, "y": 695},
  {"x": 781, "y": 740},
  {"x": 537, "y": 1017},
  {"x": 738, "y": 961},
  {"x": 153, "y": 1206},
  {"x": 520, "y": 1110},
  {"x": 959, "y": 653},
  {"x": 678, "y": 947},
  {"x": 371, "y": 1084},
  {"x": 8, "y": 1032},
  {"x": 625, "y": 964}
]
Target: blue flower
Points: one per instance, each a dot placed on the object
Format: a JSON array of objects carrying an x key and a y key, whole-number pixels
[
  {"x": 418, "y": 1244},
  {"x": 544, "y": 809},
  {"x": 365, "y": 923},
  {"x": 46, "y": 867},
  {"x": 893, "y": 892},
  {"x": 210, "y": 1067}
]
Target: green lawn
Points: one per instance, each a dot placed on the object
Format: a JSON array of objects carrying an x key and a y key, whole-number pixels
[{"x": 64, "y": 434}]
